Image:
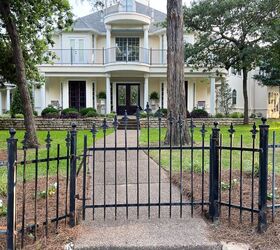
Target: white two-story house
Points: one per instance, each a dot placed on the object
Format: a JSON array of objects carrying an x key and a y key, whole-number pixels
[{"x": 122, "y": 51}]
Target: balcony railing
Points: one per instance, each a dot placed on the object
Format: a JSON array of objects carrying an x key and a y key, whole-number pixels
[{"x": 129, "y": 54}]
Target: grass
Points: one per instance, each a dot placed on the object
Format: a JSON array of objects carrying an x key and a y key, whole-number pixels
[
  {"x": 58, "y": 138},
  {"x": 196, "y": 161}
]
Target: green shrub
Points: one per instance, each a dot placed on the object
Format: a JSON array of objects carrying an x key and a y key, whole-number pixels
[
  {"x": 5, "y": 116},
  {"x": 70, "y": 113},
  {"x": 143, "y": 114},
  {"x": 199, "y": 113},
  {"x": 111, "y": 115},
  {"x": 35, "y": 113},
  {"x": 19, "y": 116},
  {"x": 154, "y": 96},
  {"x": 16, "y": 106},
  {"x": 101, "y": 95},
  {"x": 163, "y": 113},
  {"x": 236, "y": 115},
  {"x": 253, "y": 116},
  {"x": 84, "y": 111},
  {"x": 50, "y": 112},
  {"x": 3, "y": 185},
  {"x": 91, "y": 114},
  {"x": 219, "y": 115}
]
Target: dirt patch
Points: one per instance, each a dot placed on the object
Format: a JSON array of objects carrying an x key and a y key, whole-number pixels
[
  {"x": 234, "y": 225},
  {"x": 3, "y": 155},
  {"x": 58, "y": 235}
]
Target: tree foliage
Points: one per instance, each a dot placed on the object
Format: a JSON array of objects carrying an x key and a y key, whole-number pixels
[
  {"x": 35, "y": 21},
  {"x": 230, "y": 33}
]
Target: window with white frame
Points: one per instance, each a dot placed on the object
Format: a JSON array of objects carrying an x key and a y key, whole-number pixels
[{"x": 234, "y": 97}]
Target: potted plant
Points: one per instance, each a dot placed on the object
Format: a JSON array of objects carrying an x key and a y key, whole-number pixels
[
  {"x": 102, "y": 97},
  {"x": 154, "y": 98}
]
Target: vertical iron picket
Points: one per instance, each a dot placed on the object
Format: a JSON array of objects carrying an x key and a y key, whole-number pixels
[
  {"x": 241, "y": 180},
  {"x": 104, "y": 128},
  {"x": 94, "y": 132},
  {"x": 159, "y": 160},
  {"x": 137, "y": 160},
  {"x": 180, "y": 123},
  {"x": 273, "y": 174},
  {"x": 203, "y": 132},
  {"x": 57, "y": 184},
  {"x": 11, "y": 190},
  {"x": 254, "y": 132},
  {"x": 214, "y": 174},
  {"x": 36, "y": 193},
  {"x": 148, "y": 111},
  {"x": 68, "y": 143},
  {"x": 48, "y": 146},
  {"x": 170, "y": 119},
  {"x": 192, "y": 126},
  {"x": 231, "y": 134},
  {"x": 126, "y": 174},
  {"x": 116, "y": 124},
  {"x": 263, "y": 174},
  {"x": 24, "y": 142},
  {"x": 84, "y": 177},
  {"x": 73, "y": 169}
]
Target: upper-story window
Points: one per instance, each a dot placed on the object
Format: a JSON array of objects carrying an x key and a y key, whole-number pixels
[
  {"x": 127, "y": 49},
  {"x": 234, "y": 97},
  {"x": 127, "y": 6}
]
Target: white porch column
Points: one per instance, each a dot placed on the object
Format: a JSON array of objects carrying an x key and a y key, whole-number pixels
[
  {"x": 95, "y": 96},
  {"x": 8, "y": 99},
  {"x": 146, "y": 43},
  {"x": 164, "y": 53},
  {"x": 89, "y": 99},
  {"x": 165, "y": 95},
  {"x": 190, "y": 96},
  {"x": 108, "y": 94},
  {"x": 108, "y": 43},
  {"x": 43, "y": 96},
  {"x": 1, "y": 108},
  {"x": 213, "y": 96},
  {"x": 146, "y": 91},
  {"x": 65, "y": 95}
]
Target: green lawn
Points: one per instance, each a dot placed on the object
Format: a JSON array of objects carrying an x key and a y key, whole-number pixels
[
  {"x": 58, "y": 137},
  {"x": 196, "y": 160}
]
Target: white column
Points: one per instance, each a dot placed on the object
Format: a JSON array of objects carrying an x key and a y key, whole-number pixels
[
  {"x": 8, "y": 99},
  {"x": 65, "y": 94},
  {"x": 108, "y": 95},
  {"x": 165, "y": 95},
  {"x": 213, "y": 96},
  {"x": 190, "y": 96},
  {"x": 89, "y": 99},
  {"x": 1, "y": 108},
  {"x": 95, "y": 96},
  {"x": 146, "y": 43},
  {"x": 161, "y": 48},
  {"x": 43, "y": 96},
  {"x": 146, "y": 91},
  {"x": 108, "y": 42},
  {"x": 164, "y": 48}
]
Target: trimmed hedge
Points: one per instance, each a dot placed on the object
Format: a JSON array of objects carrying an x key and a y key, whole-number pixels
[
  {"x": 50, "y": 112},
  {"x": 199, "y": 113},
  {"x": 85, "y": 111},
  {"x": 70, "y": 113}
]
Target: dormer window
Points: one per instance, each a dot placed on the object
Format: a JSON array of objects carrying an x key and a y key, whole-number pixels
[{"x": 127, "y": 6}]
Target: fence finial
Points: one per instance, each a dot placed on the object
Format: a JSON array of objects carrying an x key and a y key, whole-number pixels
[
  {"x": 231, "y": 129},
  {"x": 254, "y": 131},
  {"x": 148, "y": 110},
  {"x": 12, "y": 132},
  {"x": 93, "y": 129},
  {"x": 264, "y": 120},
  {"x": 104, "y": 125},
  {"x": 48, "y": 140},
  {"x": 116, "y": 122},
  {"x": 24, "y": 141},
  {"x": 74, "y": 126},
  {"x": 216, "y": 124},
  {"x": 203, "y": 130},
  {"x": 180, "y": 121}
]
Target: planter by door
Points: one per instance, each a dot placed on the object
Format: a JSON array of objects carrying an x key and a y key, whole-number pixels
[
  {"x": 77, "y": 94},
  {"x": 128, "y": 98}
]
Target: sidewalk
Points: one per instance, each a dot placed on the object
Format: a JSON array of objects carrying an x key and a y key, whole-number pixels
[{"x": 142, "y": 233}]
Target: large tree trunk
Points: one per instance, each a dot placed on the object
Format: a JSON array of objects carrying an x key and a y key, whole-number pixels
[
  {"x": 245, "y": 95},
  {"x": 29, "y": 121},
  {"x": 175, "y": 74}
]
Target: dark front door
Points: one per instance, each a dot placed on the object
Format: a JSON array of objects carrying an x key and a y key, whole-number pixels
[
  {"x": 128, "y": 98},
  {"x": 77, "y": 94}
]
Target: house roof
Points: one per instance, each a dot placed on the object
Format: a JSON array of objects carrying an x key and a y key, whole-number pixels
[{"x": 95, "y": 21}]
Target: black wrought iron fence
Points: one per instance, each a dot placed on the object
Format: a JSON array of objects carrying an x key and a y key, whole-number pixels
[{"x": 217, "y": 173}]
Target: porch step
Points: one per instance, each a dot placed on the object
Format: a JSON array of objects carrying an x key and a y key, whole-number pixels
[{"x": 131, "y": 124}]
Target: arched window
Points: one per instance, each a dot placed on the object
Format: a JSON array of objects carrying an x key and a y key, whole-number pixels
[{"x": 234, "y": 95}]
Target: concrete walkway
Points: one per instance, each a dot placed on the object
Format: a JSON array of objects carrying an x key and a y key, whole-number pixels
[{"x": 133, "y": 233}]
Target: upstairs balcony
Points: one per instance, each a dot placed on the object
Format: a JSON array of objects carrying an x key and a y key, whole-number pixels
[{"x": 115, "y": 55}]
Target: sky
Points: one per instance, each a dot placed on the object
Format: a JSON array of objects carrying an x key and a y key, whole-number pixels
[{"x": 82, "y": 8}]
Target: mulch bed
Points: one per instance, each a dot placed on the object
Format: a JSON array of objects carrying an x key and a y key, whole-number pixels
[
  {"x": 3, "y": 155},
  {"x": 231, "y": 229},
  {"x": 57, "y": 236}
]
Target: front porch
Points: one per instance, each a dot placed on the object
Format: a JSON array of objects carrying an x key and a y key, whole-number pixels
[{"x": 122, "y": 93}]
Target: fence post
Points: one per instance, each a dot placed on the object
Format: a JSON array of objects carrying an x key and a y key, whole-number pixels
[
  {"x": 11, "y": 190},
  {"x": 214, "y": 174},
  {"x": 263, "y": 173},
  {"x": 73, "y": 173}
]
